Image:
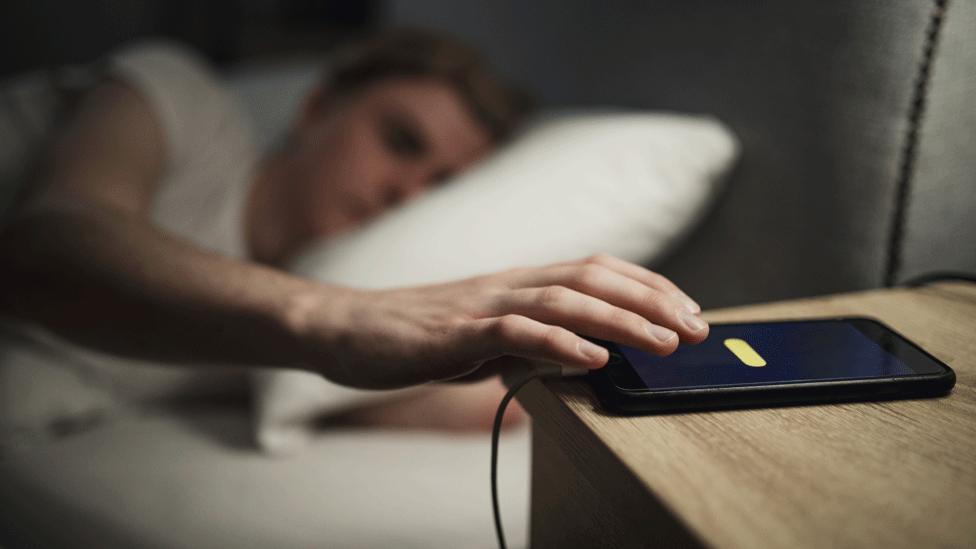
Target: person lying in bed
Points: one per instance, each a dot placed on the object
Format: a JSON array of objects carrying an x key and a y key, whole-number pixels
[{"x": 156, "y": 230}]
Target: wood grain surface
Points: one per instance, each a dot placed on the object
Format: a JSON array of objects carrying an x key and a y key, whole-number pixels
[{"x": 872, "y": 474}]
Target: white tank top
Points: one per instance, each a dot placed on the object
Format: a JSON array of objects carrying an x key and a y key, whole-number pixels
[{"x": 210, "y": 157}]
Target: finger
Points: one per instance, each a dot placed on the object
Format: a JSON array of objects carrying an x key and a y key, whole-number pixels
[
  {"x": 585, "y": 314},
  {"x": 489, "y": 338},
  {"x": 661, "y": 308},
  {"x": 647, "y": 276},
  {"x": 543, "y": 276}
]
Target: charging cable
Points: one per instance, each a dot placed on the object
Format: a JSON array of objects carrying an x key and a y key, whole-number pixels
[{"x": 519, "y": 381}]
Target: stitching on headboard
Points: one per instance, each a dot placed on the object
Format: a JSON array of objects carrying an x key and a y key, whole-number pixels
[{"x": 909, "y": 152}]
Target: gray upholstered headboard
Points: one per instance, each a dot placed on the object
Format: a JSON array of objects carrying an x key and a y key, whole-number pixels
[{"x": 819, "y": 94}]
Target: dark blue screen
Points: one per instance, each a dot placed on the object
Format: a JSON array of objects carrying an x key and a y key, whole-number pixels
[{"x": 793, "y": 351}]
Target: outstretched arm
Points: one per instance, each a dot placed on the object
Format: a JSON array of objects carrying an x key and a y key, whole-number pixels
[{"x": 84, "y": 259}]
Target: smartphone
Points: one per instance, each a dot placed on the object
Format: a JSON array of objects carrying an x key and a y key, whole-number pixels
[{"x": 760, "y": 364}]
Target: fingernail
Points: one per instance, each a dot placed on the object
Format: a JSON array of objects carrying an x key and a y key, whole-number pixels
[
  {"x": 660, "y": 333},
  {"x": 693, "y": 322},
  {"x": 589, "y": 350},
  {"x": 691, "y": 306}
]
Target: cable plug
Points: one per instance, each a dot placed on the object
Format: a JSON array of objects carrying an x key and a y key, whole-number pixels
[{"x": 519, "y": 369}]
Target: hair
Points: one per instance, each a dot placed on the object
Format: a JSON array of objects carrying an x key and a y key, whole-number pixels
[{"x": 498, "y": 105}]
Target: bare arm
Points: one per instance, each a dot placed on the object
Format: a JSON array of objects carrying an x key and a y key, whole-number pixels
[{"x": 83, "y": 258}]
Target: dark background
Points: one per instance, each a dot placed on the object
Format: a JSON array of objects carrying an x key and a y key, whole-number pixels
[
  {"x": 817, "y": 92},
  {"x": 45, "y": 33}
]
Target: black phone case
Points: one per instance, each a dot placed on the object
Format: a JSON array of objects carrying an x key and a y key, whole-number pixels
[{"x": 623, "y": 401}]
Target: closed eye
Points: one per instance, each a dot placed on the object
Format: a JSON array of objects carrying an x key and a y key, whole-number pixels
[{"x": 403, "y": 140}]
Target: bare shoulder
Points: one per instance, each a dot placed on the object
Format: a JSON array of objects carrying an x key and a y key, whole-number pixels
[{"x": 108, "y": 152}]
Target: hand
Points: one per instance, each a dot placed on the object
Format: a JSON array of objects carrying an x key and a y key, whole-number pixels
[{"x": 393, "y": 338}]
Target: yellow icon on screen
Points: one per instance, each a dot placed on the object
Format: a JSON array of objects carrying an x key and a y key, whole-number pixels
[{"x": 744, "y": 352}]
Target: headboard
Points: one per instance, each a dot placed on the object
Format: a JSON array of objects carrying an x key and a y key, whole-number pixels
[{"x": 819, "y": 94}]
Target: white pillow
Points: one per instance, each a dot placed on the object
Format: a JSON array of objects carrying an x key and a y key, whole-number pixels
[{"x": 628, "y": 184}]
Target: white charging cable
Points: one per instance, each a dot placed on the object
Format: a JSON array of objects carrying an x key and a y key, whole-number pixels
[{"x": 519, "y": 381}]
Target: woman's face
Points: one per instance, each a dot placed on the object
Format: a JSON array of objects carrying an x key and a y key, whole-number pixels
[{"x": 354, "y": 157}]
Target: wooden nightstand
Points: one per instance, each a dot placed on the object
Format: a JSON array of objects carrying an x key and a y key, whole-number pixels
[{"x": 880, "y": 474}]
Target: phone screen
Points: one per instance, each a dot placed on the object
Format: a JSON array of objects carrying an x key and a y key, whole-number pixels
[{"x": 777, "y": 352}]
